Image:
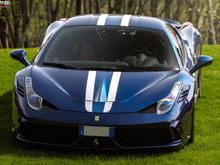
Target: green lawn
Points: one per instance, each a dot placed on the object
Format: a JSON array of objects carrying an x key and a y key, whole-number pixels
[{"x": 205, "y": 149}]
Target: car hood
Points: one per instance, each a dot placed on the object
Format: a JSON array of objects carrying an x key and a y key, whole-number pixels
[{"x": 101, "y": 91}]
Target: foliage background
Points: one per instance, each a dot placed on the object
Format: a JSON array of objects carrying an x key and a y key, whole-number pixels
[{"x": 24, "y": 22}]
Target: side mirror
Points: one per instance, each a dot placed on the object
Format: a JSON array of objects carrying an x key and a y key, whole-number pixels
[
  {"x": 20, "y": 55},
  {"x": 202, "y": 60}
]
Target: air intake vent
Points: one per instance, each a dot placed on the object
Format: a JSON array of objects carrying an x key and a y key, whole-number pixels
[
  {"x": 184, "y": 93},
  {"x": 48, "y": 106},
  {"x": 150, "y": 109},
  {"x": 20, "y": 87}
]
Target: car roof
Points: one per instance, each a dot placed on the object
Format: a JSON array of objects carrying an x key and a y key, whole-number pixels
[{"x": 117, "y": 20}]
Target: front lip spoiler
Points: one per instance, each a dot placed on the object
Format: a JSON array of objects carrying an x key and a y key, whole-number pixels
[
  {"x": 174, "y": 144},
  {"x": 24, "y": 139}
]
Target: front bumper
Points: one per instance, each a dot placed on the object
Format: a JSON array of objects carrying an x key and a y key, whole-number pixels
[
  {"x": 131, "y": 130},
  {"x": 125, "y": 137}
]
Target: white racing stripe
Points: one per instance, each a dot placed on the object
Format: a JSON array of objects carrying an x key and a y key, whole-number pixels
[
  {"x": 112, "y": 91},
  {"x": 125, "y": 20},
  {"x": 90, "y": 90},
  {"x": 88, "y": 105},
  {"x": 107, "y": 106},
  {"x": 102, "y": 19}
]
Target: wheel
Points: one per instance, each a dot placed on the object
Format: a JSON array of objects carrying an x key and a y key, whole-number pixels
[
  {"x": 192, "y": 134},
  {"x": 199, "y": 84}
]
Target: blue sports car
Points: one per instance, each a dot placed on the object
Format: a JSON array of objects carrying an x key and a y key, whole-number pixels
[{"x": 110, "y": 81}]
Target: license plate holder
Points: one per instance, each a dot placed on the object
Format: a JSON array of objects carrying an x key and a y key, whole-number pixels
[{"x": 97, "y": 131}]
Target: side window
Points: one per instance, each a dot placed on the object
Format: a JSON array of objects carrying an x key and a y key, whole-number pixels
[{"x": 177, "y": 42}]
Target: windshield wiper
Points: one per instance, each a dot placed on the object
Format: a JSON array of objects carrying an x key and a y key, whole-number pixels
[
  {"x": 107, "y": 67},
  {"x": 104, "y": 68},
  {"x": 84, "y": 67},
  {"x": 153, "y": 68},
  {"x": 60, "y": 65}
]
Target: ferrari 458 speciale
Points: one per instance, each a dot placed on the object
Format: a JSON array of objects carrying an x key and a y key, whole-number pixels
[{"x": 110, "y": 81}]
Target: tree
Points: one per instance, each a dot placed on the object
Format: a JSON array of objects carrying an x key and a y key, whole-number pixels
[
  {"x": 16, "y": 17},
  {"x": 24, "y": 23},
  {"x": 212, "y": 38},
  {"x": 154, "y": 5},
  {"x": 167, "y": 7},
  {"x": 97, "y": 6},
  {"x": 78, "y": 7}
]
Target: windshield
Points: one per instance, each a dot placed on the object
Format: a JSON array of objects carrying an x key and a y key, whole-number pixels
[{"x": 116, "y": 48}]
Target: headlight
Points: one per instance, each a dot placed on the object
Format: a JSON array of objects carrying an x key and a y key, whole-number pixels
[
  {"x": 166, "y": 104},
  {"x": 33, "y": 99}
]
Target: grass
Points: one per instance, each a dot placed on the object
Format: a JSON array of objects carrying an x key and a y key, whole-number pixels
[{"x": 205, "y": 149}]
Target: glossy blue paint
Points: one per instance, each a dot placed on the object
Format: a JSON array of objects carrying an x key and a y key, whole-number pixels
[
  {"x": 103, "y": 94},
  {"x": 98, "y": 107},
  {"x": 113, "y": 20},
  {"x": 20, "y": 55},
  {"x": 82, "y": 20},
  {"x": 205, "y": 60},
  {"x": 202, "y": 60},
  {"x": 102, "y": 85},
  {"x": 136, "y": 90}
]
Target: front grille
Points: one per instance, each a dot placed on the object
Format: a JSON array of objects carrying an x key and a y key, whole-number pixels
[
  {"x": 59, "y": 135},
  {"x": 95, "y": 142},
  {"x": 139, "y": 136}
]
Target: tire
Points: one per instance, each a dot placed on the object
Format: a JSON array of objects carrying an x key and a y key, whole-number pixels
[
  {"x": 199, "y": 84},
  {"x": 192, "y": 134}
]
